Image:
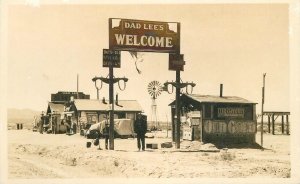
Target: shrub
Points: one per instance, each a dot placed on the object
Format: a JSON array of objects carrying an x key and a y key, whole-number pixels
[
  {"x": 116, "y": 163},
  {"x": 205, "y": 154},
  {"x": 227, "y": 156}
]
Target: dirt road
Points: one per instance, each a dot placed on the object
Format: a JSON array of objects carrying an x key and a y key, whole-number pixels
[{"x": 34, "y": 155}]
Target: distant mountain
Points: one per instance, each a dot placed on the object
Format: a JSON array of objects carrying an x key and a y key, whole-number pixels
[
  {"x": 21, "y": 113},
  {"x": 24, "y": 116}
]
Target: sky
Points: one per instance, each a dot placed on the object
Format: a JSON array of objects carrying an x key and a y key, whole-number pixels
[{"x": 232, "y": 44}]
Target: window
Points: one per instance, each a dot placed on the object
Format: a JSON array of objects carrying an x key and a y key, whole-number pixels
[
  {"x": 130, "y": 116},
  {"x": 92, "y": 118},
  {"x": 121, "y": 115}
]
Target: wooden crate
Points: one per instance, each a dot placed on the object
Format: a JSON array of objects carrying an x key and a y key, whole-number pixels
[{"x": 152, "y": 146}]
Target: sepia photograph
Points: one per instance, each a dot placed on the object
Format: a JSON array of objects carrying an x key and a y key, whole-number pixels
[{"x": 152, "y": 92}]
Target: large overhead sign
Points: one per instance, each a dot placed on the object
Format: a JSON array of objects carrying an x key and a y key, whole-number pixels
[{"x": 142, "y": 35}]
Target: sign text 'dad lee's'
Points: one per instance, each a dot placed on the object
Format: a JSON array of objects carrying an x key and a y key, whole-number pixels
[{"x": 142, "y": 35}]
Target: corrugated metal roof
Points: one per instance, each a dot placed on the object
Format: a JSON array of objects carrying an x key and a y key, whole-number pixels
[
  {"x": 218, "y": 99},
  {"x": 98, "y": 105},
  {"x": 56, "y": 107}
]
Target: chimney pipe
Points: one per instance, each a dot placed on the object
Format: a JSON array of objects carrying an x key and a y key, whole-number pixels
[
  {"x": 221, "y": 90},
  {"x": 103, "y": 100},
  {"x": 117, "y": 100},
  {"x": 77, "y": 86}
]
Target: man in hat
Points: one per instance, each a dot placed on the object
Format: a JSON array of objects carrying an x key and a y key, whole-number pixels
[{"x": 140, "y": 128}]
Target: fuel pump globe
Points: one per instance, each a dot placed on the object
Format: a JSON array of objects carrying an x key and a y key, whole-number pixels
[{"x": 154, "y": 89}]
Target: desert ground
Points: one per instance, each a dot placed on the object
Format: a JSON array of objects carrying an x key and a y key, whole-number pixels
[{"x": 32, "y": 155}]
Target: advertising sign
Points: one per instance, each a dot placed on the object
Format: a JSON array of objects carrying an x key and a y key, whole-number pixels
[
  {"x": 194, "y": 114},
  {"x": 232, "y": 127},
  {"x": 176, "y": 62},
  {"x": 111, "y": 58},
  {"x": 144, "y": 35},
  {"x": 231, "y": 112}
]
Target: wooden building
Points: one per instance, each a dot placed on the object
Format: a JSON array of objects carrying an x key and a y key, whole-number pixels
[
  {"x": 216, "y": 119},
  {"x": 88, "y": 112},
  {"x": 55, "y": 113}
]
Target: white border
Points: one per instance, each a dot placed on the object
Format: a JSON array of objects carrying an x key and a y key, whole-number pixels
[{"x": 294, "y": 30}]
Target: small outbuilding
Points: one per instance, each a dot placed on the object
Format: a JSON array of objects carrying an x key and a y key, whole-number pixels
[
  {"x": 216, "y": 119},
  {"x": 55, "y": 113}
]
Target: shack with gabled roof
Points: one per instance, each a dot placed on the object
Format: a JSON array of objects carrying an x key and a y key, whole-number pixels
[
  {"x": 216, "y": 119},
  {"x": 88, "y": 112}
]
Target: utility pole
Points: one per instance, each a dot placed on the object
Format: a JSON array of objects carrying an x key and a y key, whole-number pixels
[
  {"x": 111, "y": 110},
  {"x": 111, "y": 59},
  {"x": 167, "y": 126},
  {"x": 77, "y": 86},
  {"x": 178, "y": 85},
  {"x": 110, "y": 81},
  {"x": 177, "y": 124},
  {"x": 262, "y": 112},
  {"x": 176, "y": 62}
]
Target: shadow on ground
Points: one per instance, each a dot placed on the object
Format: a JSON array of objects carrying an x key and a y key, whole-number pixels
[{"x": 238, "y": 145}]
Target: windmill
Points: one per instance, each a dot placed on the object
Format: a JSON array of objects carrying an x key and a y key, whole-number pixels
[{"x": 154, "y": 89}]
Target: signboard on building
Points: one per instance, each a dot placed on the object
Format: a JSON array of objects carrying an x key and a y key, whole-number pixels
[
  {"x": 231, "y": 127},
  {"x": 144, "y": 35},
  {"x": 231, "y": 112},
  {"x": 111, "y": 58},
  {"x": 194, "y": 114},
  {"x": 68, "y": 95}
]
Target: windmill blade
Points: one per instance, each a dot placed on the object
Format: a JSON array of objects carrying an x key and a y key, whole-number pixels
[
  {"x": 151, "y": 93},
  {"x": 154, "y": 89}
]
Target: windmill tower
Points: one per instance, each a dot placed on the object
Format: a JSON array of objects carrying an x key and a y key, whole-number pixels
[{"x": 154, "y": 89}]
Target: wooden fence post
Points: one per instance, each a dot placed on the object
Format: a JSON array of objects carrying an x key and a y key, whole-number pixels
[
  {"x": 282, "y": 124},
  {"x": 273, "y": 125}
]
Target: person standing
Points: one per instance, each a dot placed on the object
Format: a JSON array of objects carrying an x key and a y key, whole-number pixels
[
  {"x": 140, "y": 128},
  {"x": 106, "y": 134},
  {"x": 41, "y": 124}
]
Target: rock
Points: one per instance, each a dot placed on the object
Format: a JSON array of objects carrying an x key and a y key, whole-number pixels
[{"x": 166, "y": 145}]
